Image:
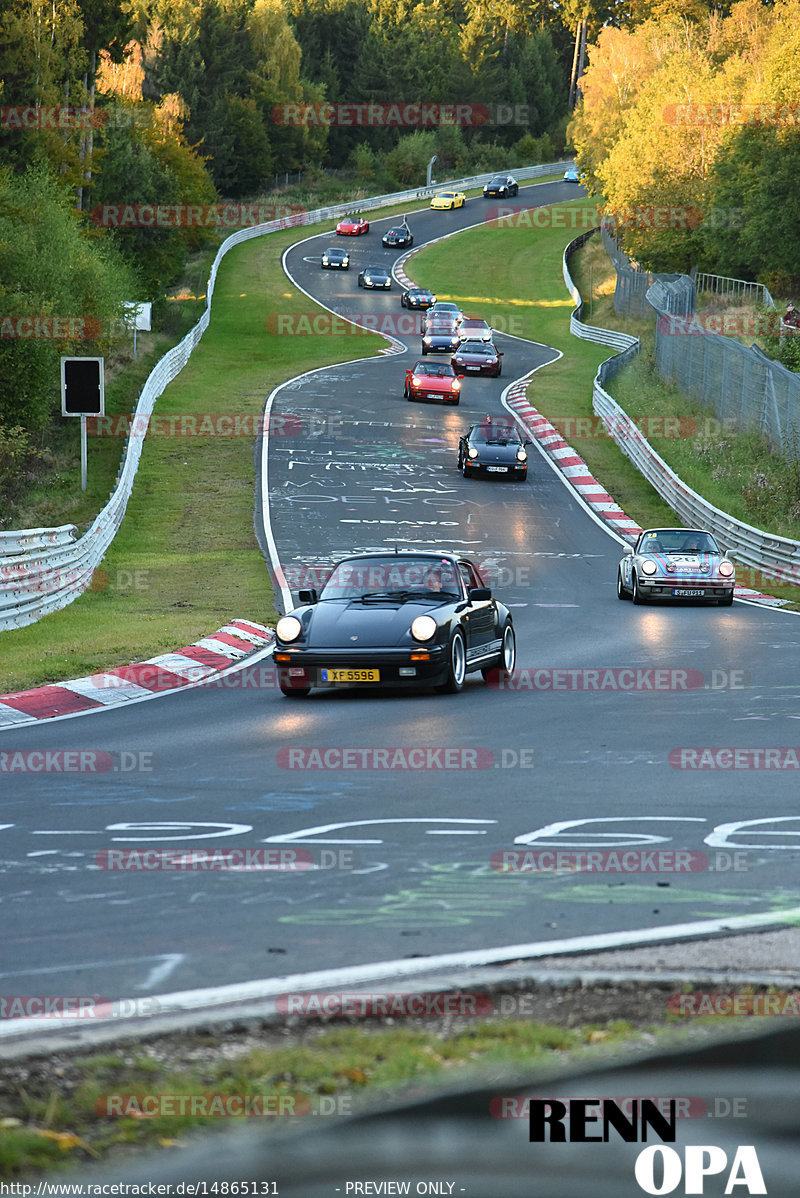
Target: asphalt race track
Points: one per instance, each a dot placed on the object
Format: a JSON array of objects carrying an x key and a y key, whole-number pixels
[{"x": 410, "y": 850}]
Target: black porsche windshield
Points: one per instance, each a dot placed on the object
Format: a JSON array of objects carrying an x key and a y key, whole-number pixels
[
  {"x": 400, "y": 577},
  {"x": 477, "y": 347},
  {"x": 494, "y": 432}
]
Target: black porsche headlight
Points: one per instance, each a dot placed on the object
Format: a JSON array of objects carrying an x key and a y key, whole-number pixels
[
  {"x": 288, "y": 629},
  {"x": 423, "y": 628}
]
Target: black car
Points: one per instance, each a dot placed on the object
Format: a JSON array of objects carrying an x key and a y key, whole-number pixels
[
  {"x": 501, "y": 185},
  {"x": 478, "y": 357},
  {"x": 441, "y": 337},
  {"x": 495, "y": 448},
  {"x": 398, "y": 238},
  {"x": 394, "y": 619},
  {"x": 335, "y": 259},
  {"x": 375, "y": 276},
  {"x": 417, "y": 297}
]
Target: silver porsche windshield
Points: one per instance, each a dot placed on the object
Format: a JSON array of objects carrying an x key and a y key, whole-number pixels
[
  {"x": 395, "y": 575},
  {"x": 677, "y": 540}
]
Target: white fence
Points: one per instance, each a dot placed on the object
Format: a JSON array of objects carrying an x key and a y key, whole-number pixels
[
  {"x": 36, "y": 580},
  {"x": 777, "y": 557}
]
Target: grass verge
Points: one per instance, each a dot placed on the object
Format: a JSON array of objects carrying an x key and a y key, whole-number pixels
[
  {"x": 185, "y": 558},
  {"x": 62, "y": 1110}
]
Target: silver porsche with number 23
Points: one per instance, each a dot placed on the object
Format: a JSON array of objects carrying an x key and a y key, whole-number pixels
[{"x": 676, "y": 563}]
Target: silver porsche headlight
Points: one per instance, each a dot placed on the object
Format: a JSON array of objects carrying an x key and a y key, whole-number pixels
[
  {"x": 726, "y": 569},
  {"x": 288, "y": 628},
  {"x": 649, "y": 567},
  {"x": 423, "y": 628}
]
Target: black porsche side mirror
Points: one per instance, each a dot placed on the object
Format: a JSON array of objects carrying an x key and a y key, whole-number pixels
[
  {"x": 479, "y": 594},
  {"x": 309, "y": 596}
]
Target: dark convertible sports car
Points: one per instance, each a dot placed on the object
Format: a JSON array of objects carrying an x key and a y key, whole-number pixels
[
  {"x": 402, "y": 619},
  {"x": 494, "y": 448},
  {"x": 398, "y": 238}
]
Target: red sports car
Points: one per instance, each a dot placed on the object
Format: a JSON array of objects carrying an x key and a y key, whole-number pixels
[
  {"x": 352, "y": 226},
  {"x": 433, "y": 380}
]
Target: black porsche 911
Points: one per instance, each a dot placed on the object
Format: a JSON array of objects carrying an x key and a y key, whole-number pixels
[
  {"x": 401, "y": 619},
  {"x": 493, "y": 448},
  {"x": 398, "y": 238},
  {"x": 417, "y": 297},
  {"x": 441, "y": 337}
]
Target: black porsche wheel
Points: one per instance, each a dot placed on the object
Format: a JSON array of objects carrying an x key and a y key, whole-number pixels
[
  {"x": 457, "y": 665},
  {"x": 508, "y": 655},
  {"x": 405, "y": 392},
  {"x": 636, "y": 594},
  {"x": 499, "y": 371},
  {"x": 621, "y": 592}
]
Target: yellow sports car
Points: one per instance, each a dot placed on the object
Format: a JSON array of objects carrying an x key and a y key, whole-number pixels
[{"x": 449, "y": 199}]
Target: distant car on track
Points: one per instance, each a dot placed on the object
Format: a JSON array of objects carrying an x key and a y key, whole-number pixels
[
  {"x": 493, "y": 447},
  {"x": 335, "y": 259},
  {"x": 376, "y": 277},
  {"x": 449, "y": 199},
  {"x": 571, "y": 175},
  {"x": 396, "y": 620},
  {"x": 440, "y": 337},
  {"x": 352, "y": 226},
  {"x": 442, "y": 308},
  {"x": 417, "y": 297},
  {"x": 433, "y": 380},
  {"x": 501, "y": 185},
  {"x": 399, "y": 238},
  {"x": 676, "y": 563},
  {"x": 472, "y": 329},
  {"x": 478, "y": 357}
]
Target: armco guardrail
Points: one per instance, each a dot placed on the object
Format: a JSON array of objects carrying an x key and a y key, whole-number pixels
[
  {"x": 35, "y": 581},
  {"x": 777, "y": 557},
  {"x": 27, "y": 540},
  {"x": 587, "y": 332}
]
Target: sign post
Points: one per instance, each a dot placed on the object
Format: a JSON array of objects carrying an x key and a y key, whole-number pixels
[
  {"x": 137, "y": 316},
  {"x": 83, "y": 394}
]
